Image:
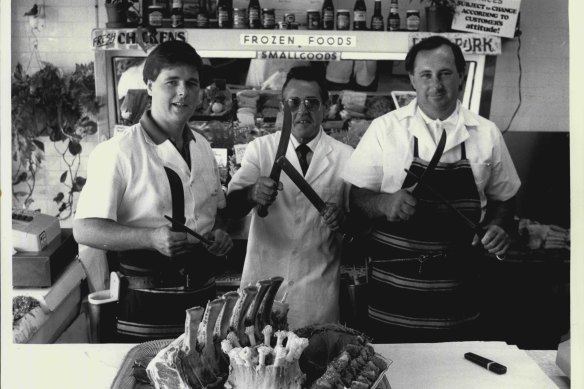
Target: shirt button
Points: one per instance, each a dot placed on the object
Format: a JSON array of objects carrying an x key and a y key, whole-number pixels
[{"x": 290, "y": 283}]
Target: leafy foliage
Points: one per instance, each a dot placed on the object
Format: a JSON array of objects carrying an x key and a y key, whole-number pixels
[{"x": 61, "y": 106}]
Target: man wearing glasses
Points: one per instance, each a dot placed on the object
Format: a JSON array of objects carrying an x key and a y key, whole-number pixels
[{"x": 295, "y": 241}]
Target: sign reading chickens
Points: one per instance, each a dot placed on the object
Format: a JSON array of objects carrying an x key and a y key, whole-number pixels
[
  {"x": 133, "y": 39},
  {"x": 490, "y": 17}
]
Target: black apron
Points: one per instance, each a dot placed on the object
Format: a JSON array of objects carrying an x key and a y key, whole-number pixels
[
  {"x": 422, "y": 274},
  {"x": 155, "y": 291}
]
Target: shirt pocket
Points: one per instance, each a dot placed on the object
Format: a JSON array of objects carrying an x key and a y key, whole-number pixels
[{"x": 481, "y": 173}]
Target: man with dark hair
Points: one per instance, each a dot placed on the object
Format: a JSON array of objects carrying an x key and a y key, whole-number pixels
[
  {"x": 423, "y": 270},
  {"x": 129, "y": 190},
  {"x": 294, "y": 240}
]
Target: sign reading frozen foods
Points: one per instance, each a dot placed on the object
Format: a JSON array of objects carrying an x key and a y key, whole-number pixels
[
  {"x": 469, "y": 43},
  {"x": 298, "y": 40},
  {"x": 130, "y": 39},
  {"x": 490, "y": 17}
]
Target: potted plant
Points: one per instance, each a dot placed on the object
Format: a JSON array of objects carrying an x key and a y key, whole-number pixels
[
  {"x": 61, "y": 106},
  {"x": 439, "y": 14}
]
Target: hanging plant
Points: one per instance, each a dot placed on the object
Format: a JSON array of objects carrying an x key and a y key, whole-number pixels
[{"x": 61, "y": 106}]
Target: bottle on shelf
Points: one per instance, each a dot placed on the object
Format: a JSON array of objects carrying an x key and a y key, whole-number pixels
[
  {"x": 360, "y": 15},
  {"x": 254, "y": 14},
  {"x": 393, "y": 20},
  {"x": 328, "y": 15},
  {"x": 203, "y": 15},
  {"x": 377, "y": 23},
  {"x": 176, "y": 14},
  {"x": 223, "y": 14}
]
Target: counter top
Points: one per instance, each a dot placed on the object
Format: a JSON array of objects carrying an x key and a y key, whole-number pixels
[{"x": 419, "y": 365}]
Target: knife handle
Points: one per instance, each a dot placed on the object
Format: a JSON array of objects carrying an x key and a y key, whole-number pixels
[{"x": 274, "y": 175}]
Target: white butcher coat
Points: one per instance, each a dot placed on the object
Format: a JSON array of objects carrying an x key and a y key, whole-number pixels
[{"x": 293, "y": 241}]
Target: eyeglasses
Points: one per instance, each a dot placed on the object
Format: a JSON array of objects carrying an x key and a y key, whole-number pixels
[{"x": 312, "y": 104}]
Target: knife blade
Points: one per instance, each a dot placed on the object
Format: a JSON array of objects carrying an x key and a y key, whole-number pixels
[
  {"x": 178, "y": 213},
  {"x": 472, "y": 225},
  {"x": 178, "y": 198},
  {"x": 301, "y": 183},
  {"x": 434, "y": 161},
  {"x": 476, "y": 228},
  {"x": 184, "y": 228},
  {"x": 281, "y": 151}
]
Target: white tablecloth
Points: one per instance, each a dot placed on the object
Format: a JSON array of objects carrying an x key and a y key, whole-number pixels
[{"x": 440, "y": 365}]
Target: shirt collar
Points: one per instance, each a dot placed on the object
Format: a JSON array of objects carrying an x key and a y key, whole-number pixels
[
  {"x": 410, "y": 110},
  {"x": 157, "y": 135},
  {"x": 312, "y": 144}
]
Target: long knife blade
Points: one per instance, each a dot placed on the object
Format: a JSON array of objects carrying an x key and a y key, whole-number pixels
[
  {"x": 184, "y": 228},
  {"x": 178, "y": 198},
  {"x": 433, "y": 162},
  {"x": 475, "y": 227},
  {"x": 472, "y": 225},
  {"x": 281, "y": 151},
  {"x": 301, "y": 183}
]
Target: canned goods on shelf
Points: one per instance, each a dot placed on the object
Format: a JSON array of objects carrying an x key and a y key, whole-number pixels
[
  {"x": 293, "y": 26},
  {"x": 268, "y": 18},
  {"x": 282, "y": 25},
  {"x": 289, "y": 17},
  {"x": 313, "y": 19},
  {"x": 412, "y": 20},
  {"x": 155, "y": 15},
  {"x": 343, "y": 19},
  {"x": 239, "y": 18}
]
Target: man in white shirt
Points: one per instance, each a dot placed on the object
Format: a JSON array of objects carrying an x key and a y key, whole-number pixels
[
  {"x": 423, "y": 265},
  {"x": 294, "y": 241},
  {"x": 123, "y": 204}
]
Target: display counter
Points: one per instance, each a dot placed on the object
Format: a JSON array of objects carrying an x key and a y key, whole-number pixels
[{"x": 421, "y": 365}]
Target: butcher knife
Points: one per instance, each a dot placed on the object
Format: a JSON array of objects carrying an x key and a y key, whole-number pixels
[
  {"x": 184, "y": 228},
  {"x": 433, "y": 162},
  {"x": 476, "y": 228},
  {"x": 178, "y": 212},
  {"x": 307, "y": 190},
  {"x": 280, "y": 152},
  {"x": 178, "y": 199},
  {"x": 301, "y": 183}
]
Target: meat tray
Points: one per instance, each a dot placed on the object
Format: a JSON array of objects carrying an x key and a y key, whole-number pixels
[{"x": 125, "y": 380}]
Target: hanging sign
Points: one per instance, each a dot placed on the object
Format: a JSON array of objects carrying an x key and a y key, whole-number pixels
[
  {"x": 300, "y": 55},
  {"x": 469, "y": 43},
  {"x": 490, "y": 17},
  {"x": 133, "y": 39}
]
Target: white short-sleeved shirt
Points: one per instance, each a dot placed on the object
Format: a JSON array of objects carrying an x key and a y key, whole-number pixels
[
  {"x": 386, "y": 149},
  {"x": 126, "y": 182}
]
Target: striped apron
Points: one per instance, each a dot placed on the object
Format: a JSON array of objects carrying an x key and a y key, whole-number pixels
[
  {"x": 422, "y": 274},
  {"x": 155, "y": 291}
]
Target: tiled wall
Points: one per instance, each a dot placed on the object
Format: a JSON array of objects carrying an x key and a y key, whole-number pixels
[{"x": 65, "y": 40}]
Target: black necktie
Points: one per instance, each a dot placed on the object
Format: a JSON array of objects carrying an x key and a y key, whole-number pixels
[{"x": 302, "y": 152}]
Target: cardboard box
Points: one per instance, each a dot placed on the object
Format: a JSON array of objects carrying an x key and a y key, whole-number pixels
[
  {"x": 32, "y": 231},
  {"x": 42, "y": 268}
]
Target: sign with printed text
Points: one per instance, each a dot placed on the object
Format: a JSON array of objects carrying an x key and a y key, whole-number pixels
[
  {"x": 300, "y": 55},
  {"x": 469, "y": 43},
  {"x": 490, "y": 17},
  {"x": 298, "y": 41},
  {"x": 133, "y": 39}
]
